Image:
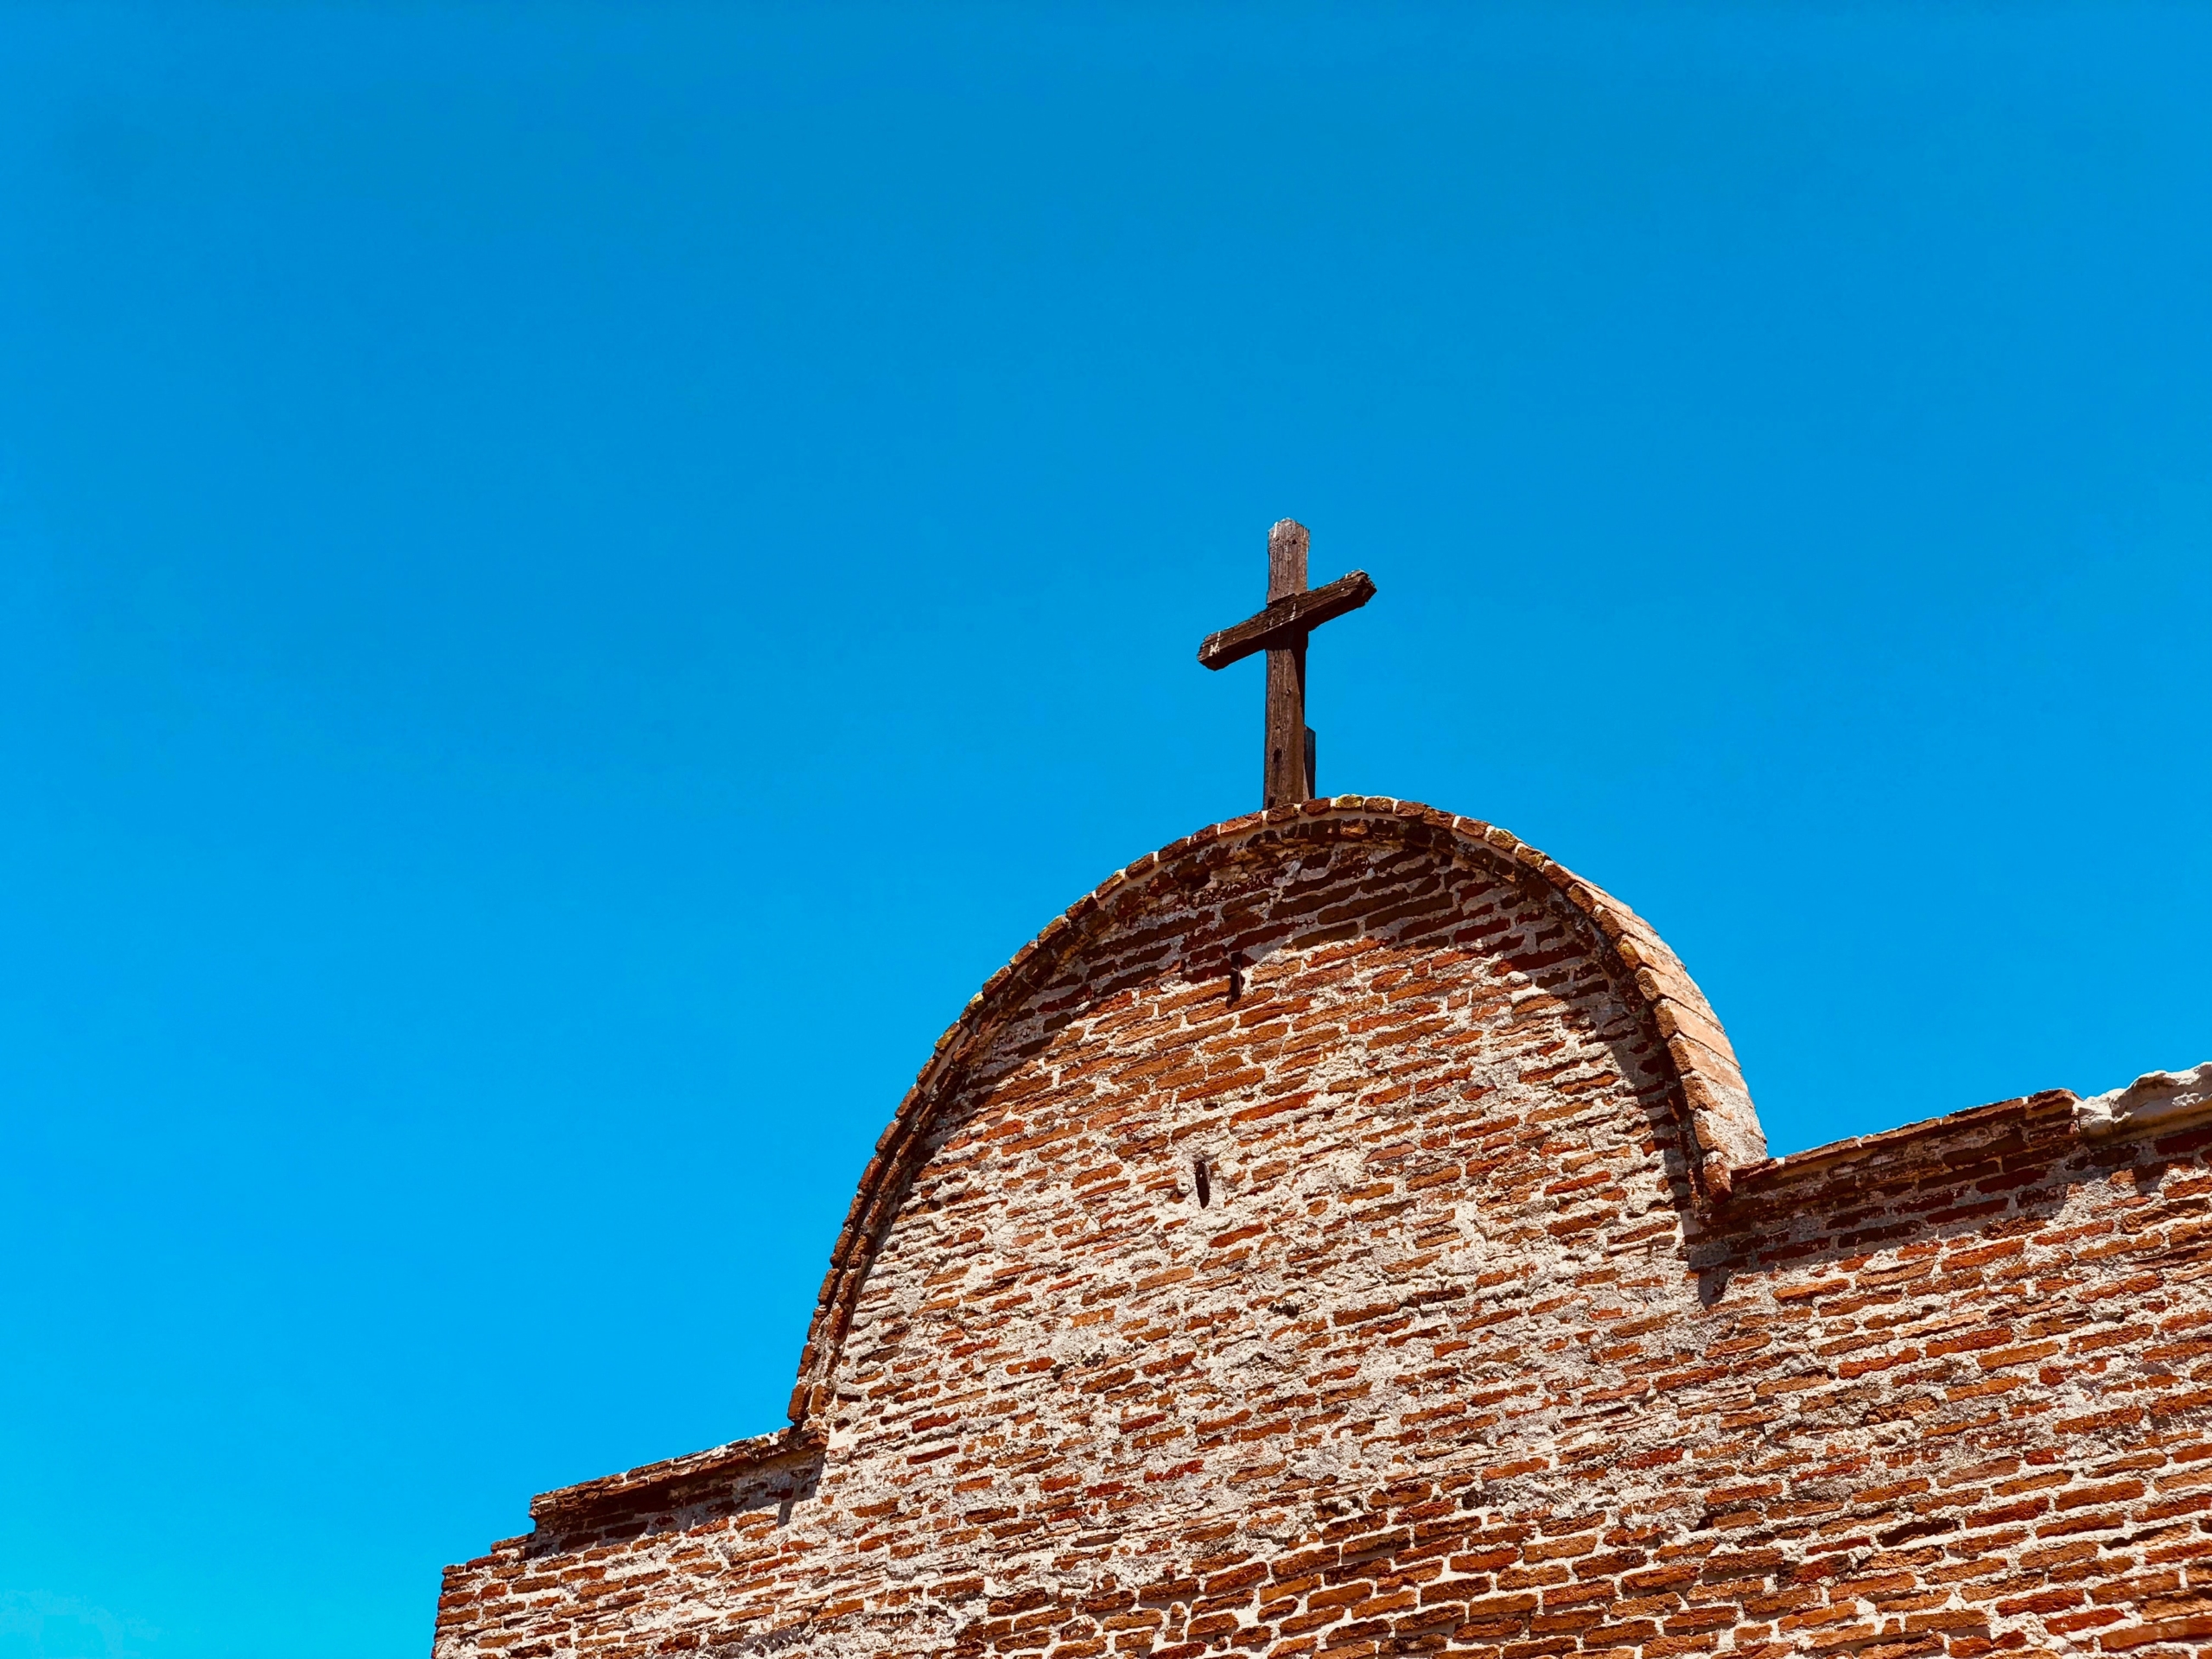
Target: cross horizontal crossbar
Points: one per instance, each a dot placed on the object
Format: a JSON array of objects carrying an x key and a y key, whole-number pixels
[{"x": 1286, "y": 621}]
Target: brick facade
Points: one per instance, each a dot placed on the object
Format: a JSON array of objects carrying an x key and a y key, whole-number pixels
[{"x": 1347, "y": 1232}]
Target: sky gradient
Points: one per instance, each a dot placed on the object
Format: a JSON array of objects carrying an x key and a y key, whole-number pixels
[{"x": 573, "y": 581}]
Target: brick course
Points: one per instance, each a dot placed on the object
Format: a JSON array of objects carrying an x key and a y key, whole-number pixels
[{"x": 1347, "y": 1232}]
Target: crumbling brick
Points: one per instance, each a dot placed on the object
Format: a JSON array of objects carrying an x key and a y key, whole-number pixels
[{"x": 1347, "y": 1232}]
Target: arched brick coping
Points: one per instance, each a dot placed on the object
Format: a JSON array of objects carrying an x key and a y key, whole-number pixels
[
  {"x": 1830, "y": 1203},
  {"x": 1711, "y": 1093}
]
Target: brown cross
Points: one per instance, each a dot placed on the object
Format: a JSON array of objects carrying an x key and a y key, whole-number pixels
[{"x": 1293, "y": 613}]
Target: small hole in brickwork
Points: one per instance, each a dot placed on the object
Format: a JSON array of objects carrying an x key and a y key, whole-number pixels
[
  {"x": 1236, "y": 975},
  {"x": 1205, "y": 1186}
]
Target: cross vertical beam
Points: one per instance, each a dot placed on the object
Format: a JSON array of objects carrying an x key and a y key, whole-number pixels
[
  {"x": 1292, "y": 612},
  {"x": 1287, "y": 766}
]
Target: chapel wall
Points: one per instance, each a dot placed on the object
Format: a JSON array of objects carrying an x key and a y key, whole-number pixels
[
  {"x": 1423, "y": 1160},
  {"x": 1464, "y": 1353}
]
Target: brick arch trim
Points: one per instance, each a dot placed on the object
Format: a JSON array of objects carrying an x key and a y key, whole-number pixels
[{"x": 1710, "y": 1091}]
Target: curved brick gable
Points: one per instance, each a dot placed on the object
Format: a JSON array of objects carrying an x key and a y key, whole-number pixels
[
  {"x": 1708, "y": 1088},
  {"x": 1489, "y": 1329}
]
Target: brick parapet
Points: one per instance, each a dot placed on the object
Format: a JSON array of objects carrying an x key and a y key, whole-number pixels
[
  {"x": 1500, "y": 1336},
  {"x": 1709, "y": 1084},
  {"x": 655, "y": 1494}
]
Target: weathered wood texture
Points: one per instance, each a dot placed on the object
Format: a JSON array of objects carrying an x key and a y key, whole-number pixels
[
  {"x": 1285, "y": 777},
  {"x": 1286, "y": 620},
  {"x": 1281, "y": 630},
  {"x": 1285, "y": 780},
  {"x": 1289, "y": 542}
]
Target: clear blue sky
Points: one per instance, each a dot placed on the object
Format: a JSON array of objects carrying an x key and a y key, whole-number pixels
[{"x": 573, "y": 580}]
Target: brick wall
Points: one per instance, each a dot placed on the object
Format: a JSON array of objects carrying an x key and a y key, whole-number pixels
[{"x": 1347, "y": 1232}]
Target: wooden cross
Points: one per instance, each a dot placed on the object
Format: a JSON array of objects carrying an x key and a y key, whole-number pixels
[{"x": 1293, "y": 613}]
